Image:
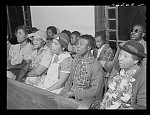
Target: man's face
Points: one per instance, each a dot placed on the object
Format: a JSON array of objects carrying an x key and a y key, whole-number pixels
[
  {"x": 82, "y": 47},
  {"x": 136, "y": 33}
]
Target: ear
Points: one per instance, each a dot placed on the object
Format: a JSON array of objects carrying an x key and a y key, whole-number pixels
[
  {"x": 27, "y": 36},
  {"x": 89, "y": 47}
]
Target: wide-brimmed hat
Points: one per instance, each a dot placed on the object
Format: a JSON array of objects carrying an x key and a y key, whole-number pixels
[
  {"x": 63, "y": 39},
  {"x": 38, "y": 34},
  {"x": 134, "y": 48}
]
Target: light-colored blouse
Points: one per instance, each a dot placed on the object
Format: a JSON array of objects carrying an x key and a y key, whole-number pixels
[{"x": 17, "y": 54}]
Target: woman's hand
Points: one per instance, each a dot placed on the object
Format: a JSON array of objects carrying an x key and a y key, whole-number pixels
[{"x": 70, "y": 94}]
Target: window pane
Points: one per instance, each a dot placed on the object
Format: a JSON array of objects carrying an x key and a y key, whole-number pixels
[
  {"x": 111, "y": 13},
  {"x": 113, "y": 46},
  {"x": 112, "y": 24},
  {"x": 112, "y": 35}
]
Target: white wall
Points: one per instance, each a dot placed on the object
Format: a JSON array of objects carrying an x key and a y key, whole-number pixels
[{"x": 80, "y": 18}]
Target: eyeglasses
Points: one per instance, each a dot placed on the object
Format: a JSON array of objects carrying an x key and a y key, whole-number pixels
[{"x": 135, "y": 30}]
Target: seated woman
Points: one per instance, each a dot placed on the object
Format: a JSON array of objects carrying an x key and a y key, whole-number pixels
[
  {"x": 103, "y": 51},
  {"x": 87, "y": 76},
  {"x": 127, "y": 87},
  {"x": 38, "y": 61},
  {"x": 19, "y": 52},
  {"x": 60, "y": 66}
]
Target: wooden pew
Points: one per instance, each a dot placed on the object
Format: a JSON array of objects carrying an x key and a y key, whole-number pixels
[{"x": 23, "y": 96}]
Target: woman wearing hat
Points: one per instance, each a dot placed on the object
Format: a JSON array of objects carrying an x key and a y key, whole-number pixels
[
  {"x": 38, "y": 61},
  {"x": 60, "y": 66},
  {"x": 127, "y": 87}
]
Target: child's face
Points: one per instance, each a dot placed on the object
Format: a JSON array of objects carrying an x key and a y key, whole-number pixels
[
  {"x": 73, "y": 39},
  {"x": 50, "y": 33},
  {"x": 99, "y": 41}
]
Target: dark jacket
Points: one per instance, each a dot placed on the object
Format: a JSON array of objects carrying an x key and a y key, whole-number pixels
[{"x": 95, "y": 74}]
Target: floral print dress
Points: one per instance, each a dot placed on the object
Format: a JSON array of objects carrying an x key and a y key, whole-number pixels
[{"x": 119, "y": 92}]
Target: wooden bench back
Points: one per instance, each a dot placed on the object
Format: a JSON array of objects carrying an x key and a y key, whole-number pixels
[{"x": 23, "y": 96}]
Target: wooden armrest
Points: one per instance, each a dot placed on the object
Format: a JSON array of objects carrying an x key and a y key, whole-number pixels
[{"x": 86, "y": 103}]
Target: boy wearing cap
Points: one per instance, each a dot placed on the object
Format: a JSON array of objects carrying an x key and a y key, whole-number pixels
[
  {"x": 87, "y": 76},
  {"x": 60, "y": 66},
  {"x": 38, "y": 61},
  {"x": 127, "y": 87}
]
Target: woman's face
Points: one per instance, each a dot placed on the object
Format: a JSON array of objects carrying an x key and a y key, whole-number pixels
[
  {"x": 56, "y": 47},
  {"x": 21, "y": 35},
  {"x": 37, "y": 43},
  {"x": 126, "y": 60},
  {"x": 99, "y": 41},
  {"x": 82, "y": 47}
]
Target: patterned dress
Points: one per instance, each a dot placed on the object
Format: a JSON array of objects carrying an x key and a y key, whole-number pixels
[
  {"x": 59, "y": 63},
  {"x": 81, "y": 81},
  {"x": 43, "y": 58},
  {"x": 119, "y": 93}
]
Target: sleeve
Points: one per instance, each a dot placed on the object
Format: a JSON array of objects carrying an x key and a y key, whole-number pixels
[
  {"x": 28, "y": 51},
  {"x": 141, "y": 97},
  {"x": 97, "y": 83},
  {"x": 46, "y": 59},
  {"x": 108, "y": 55},
  {"x": 10, "y": 51},
  {"x": 69, "y": 82},
  {"x": 66, "y": 65}
]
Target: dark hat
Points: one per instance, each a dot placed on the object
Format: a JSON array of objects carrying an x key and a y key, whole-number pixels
[
  {"x": 134, "y": 48},
  {"x": 63, "y": 39}
]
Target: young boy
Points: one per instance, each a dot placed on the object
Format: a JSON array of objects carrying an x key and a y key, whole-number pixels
[
  {"x": 102, "y": 51},
  {"x": 74, "y": 39}
]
